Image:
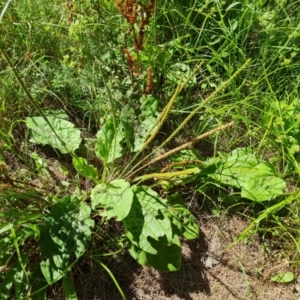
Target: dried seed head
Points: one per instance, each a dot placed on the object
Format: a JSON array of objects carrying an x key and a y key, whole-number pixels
[
  {"x": 128, "y": 9},
  {"x": 149, "y": 81}
]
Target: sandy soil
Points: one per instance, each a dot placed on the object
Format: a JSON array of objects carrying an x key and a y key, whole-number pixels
[{"x": 208, "y": 271}]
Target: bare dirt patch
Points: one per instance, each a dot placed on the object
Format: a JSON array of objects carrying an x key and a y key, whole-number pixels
[{"x": 242, "y": 272}]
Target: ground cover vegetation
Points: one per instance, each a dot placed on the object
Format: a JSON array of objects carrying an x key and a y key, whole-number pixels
[{"x": 110, "y": 109}]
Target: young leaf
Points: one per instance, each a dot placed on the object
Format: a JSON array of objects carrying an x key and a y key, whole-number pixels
[
  {"x": 66, "y": 231},
  {"x": 108, "y": 145},
  {"x": 116, "y": 198},
  {"x": 148, "y": 217},
  {"x": 284, "y": 277},
  {"x": 43, "y": 134},
  {"x": 85, "y": 169}
]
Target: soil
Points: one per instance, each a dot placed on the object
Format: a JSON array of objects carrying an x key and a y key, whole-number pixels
[{"x": 209, "y": 271}]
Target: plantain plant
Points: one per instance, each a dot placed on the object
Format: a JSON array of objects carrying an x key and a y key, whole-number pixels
[
  {"x": 44, "y": 232},
  {"x": 56, "y": 232}
]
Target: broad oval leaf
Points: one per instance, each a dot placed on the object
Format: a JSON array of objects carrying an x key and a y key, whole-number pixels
[
  {"x": 262, "y": 184},
  {"x": 116, "y": 198},
  {"x": 284, "y": 277},
  {"x": 148, "y": 217},
  {"x": 242, "y": 169},
  {"x": 69, "y": 137}
]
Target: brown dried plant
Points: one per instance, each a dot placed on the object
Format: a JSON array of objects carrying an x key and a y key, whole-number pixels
[
  {"x": 130, "y": 63},
  {"x": 145, "y": 16},
  {"x": 149, "y": 81},
  {"x": 128, "y": 9},
  {"x": 138, "y": 16}
]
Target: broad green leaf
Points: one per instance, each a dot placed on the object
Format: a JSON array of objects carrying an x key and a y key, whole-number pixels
[
  {"x": 43, "y": 134},
  {"x": 143, "y": 132},
  {"x": 147, "y": 118},
  {"x": 234, "y": 167},
  {"x": 54, "y": 268},
  {"x": 126, "y": 125},
  {"x": 69, "y": 289},
  {"x": 108, "y": 146},
  {"x": 284, "y": 277},
  {"x": 242, "y": 169},
  {"x": 148, "y": 217},
  {"x": 168, "y": 257},
  {"x": 186, "y": 224},
  {"x": 262, "y": 184},
  {"x": 116, "y": 198},
  {"x": 66, "y": 231},
  {"x": 149, "y": 105},
  {"x": 85, "y": 169}
]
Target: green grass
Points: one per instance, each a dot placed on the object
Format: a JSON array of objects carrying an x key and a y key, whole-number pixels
[{"x": 70, "y": 59}]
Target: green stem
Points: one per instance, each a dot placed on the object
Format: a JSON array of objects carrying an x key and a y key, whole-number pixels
[
  {"x": 166, "y": 175},
  {"x": 111, "y": 276}
]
